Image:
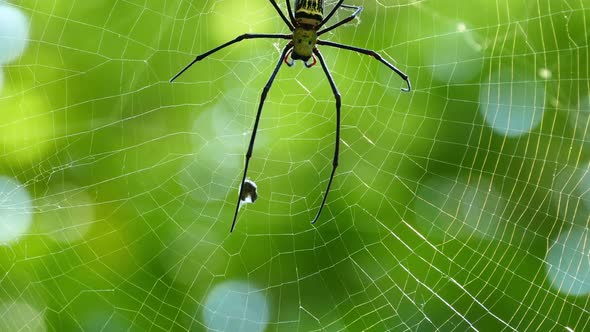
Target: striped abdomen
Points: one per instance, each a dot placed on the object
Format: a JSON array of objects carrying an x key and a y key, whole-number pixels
[{"x": 309, "y": 11}]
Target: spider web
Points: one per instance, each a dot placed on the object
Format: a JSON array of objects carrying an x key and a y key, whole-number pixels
[{"x": 462, "y": 205}]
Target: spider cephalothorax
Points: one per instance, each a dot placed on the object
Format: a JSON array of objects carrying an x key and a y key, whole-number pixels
[
  {"x": 304, "y": 41},
  {"x": 306, "y": 26}
]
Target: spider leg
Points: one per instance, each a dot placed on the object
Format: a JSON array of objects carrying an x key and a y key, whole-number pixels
[
  {"x": 329, "y": 16},
  {"x": 274, "y": 4},
  {"x": 290, "y": 11},
  {"x": 373, "y": 54},
  {"x": 337, "y": 144},
  {"x": 358, "y": 10},
  {"x": 253, "y": 136},
  {"x": 238, "y": 39}
]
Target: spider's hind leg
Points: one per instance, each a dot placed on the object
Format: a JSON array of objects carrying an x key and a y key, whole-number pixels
[
  {"x": 255, "y": 129},
  {"x": 337, "y": 144},
  {"x": 373, "y": 54}
]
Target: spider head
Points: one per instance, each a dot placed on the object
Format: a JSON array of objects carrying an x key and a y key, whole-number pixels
[{"x": 303, "y": 43}]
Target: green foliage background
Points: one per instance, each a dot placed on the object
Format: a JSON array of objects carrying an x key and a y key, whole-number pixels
[{"x": 89, "y": 103}]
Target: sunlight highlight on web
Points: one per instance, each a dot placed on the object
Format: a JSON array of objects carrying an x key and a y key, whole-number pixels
[{"x": 21, "y": 316}]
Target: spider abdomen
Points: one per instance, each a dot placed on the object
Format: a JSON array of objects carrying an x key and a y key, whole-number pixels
[
  {"x": 308, "y": 16},
  {"x": 309, "y": 12}
]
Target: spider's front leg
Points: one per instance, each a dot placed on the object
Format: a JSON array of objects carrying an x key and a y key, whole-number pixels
[
  {"x": 358, "y": 10},
  {"x": 231, "y": 42},
  {"x": 280, "y": 12}
]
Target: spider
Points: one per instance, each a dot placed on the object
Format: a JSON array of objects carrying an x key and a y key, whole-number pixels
[{"x": 305, "y": 26}]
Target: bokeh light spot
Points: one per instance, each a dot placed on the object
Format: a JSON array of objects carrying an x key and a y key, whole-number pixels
[
  {"x": 219, "y": 143},
  {"x": 65, "y": 213},
  {"x": 458, "y": 208},
  {"x": 28, "y": 128},
  {"x": 568, "y": 262},
  {"x": 511, "y": 103},
  {"x": 246, "y": 16},
  {"x": 545, "y": 73},
  {"x": 15, "y": 210},
  {"x": 20, "y": 316},
  {"x": 454, "y": 56},
  {"x": 236, "y": 306},
  {"x": 461, "y": 27},
  {"x": 216, "y": 159},
  {"x": 14, "y": 33}
]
